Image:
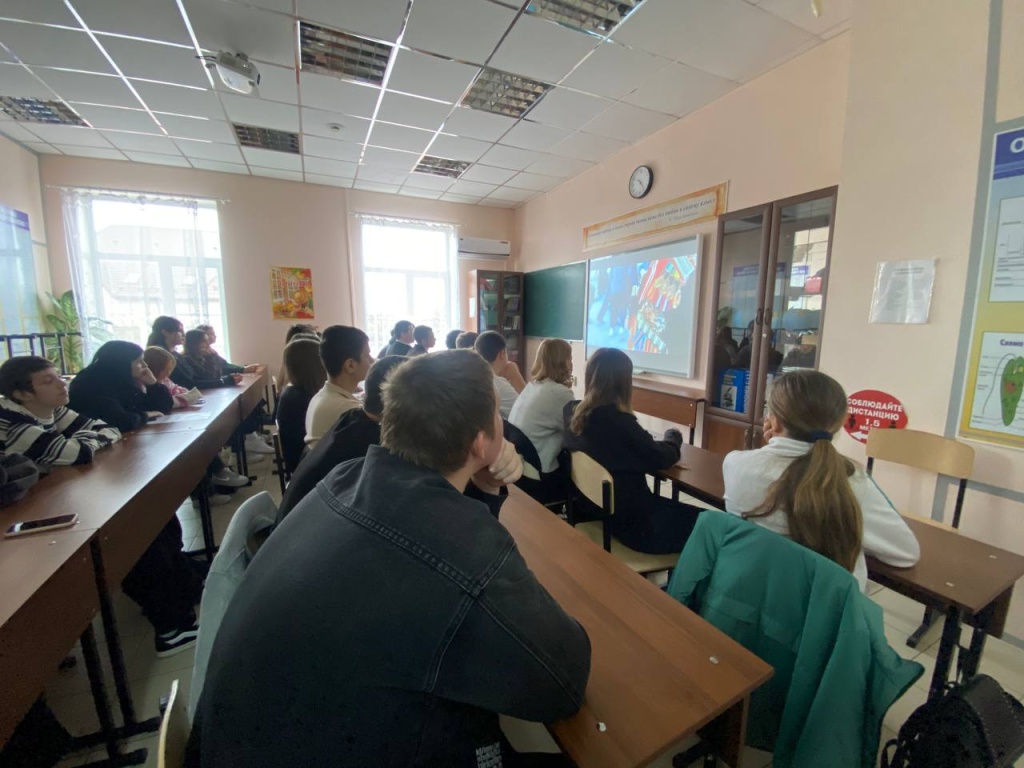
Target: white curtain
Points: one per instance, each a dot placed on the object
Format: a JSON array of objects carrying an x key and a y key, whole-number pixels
[{"x": 134, "y": 257}]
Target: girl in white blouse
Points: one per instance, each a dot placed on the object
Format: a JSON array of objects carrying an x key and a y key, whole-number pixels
[
  {"x": 799, "y": 485},
  {"x": 538, "y": 409}
]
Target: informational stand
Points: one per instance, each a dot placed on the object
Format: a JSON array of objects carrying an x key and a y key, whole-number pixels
[{"x": 19, "y": 302}]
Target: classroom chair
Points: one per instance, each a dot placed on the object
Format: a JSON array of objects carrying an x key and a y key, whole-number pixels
[
  {"x": 174, "y": 731},
  {"x": 835, "y": 675},
  {"x": 550, "y": 489},
  {"x": 932, "y": 453},
  {"x": 596, "y": 484}
]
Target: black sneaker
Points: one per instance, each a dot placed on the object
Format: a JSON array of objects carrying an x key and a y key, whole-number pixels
[{"x": 175, "y": 642}]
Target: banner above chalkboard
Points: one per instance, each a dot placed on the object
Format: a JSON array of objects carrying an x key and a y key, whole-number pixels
[{"x": 694, "y": 208}]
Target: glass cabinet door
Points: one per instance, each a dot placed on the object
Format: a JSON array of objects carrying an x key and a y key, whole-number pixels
[{"x": 740, "y": 308}]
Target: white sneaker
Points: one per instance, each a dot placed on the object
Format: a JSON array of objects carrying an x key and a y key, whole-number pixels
[
  {"x": 253, "y": 444},
  {"x": 229, "y": 478}
]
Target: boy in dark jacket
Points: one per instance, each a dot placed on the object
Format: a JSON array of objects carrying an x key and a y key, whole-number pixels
[{"x": 390, "y": 618}]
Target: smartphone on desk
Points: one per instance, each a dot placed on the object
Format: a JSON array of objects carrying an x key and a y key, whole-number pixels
[{"x": 39, "y": 526}]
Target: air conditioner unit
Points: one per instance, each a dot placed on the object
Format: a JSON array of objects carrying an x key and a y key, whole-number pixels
[{"x": 482, "y": 248}]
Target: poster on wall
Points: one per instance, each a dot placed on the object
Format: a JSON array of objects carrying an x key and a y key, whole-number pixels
[
  {"x": 19, "y": 302},
  {"x": 992, "y": 409},
  {"x": 873, "y": 409},
  {"x": 903, "y": 291},
  {"x": 291, "y": 293}
]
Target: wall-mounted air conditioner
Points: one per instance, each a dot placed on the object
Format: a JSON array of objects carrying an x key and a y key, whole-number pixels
[{"x": 482, "y": 248}]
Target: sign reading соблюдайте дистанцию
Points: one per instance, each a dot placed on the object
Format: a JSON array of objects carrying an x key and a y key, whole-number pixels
[{"x": 872, "y": 409}]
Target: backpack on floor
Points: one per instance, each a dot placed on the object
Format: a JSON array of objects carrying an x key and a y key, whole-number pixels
[{"x": 973, "y": 725}]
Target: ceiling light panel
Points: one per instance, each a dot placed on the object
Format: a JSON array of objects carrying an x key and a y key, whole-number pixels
[
  {"x": 439, "y": 166},
  {"x": 598, "y": 17},
  {"x": 39, "y": 111},
  {"x": 502, "y": 93},
  {"x": 343, "y": 55},
  {"x": 267, "y": 138}
]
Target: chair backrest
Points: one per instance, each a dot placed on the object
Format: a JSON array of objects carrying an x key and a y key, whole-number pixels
[
  {"x": 525, "y": 448},
  {"x": 922, "y": 450},
  {"x": 589, "y": 477},
  {"x": 174, "y": 731}
]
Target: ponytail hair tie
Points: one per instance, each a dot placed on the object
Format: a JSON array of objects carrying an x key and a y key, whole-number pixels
[{"x": 819, "y": 434}]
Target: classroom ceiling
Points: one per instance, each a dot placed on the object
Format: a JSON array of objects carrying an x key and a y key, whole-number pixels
[{"x": 607, "y": 72}]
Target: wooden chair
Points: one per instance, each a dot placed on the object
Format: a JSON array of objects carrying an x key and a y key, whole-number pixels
[
  {"x": 174, "y": 731},
  {"x": 932, "y": 453},
  {"x": 596, "y": 484}
]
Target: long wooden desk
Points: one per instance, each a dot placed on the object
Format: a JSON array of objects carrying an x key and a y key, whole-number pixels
[
  {"x": 671, "y": 402},
  {"x": 964, "y": 578},
  {"x": 658, "y": 672}
]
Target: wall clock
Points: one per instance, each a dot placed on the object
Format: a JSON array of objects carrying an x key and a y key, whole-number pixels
[{"x": 640, "y": 181}]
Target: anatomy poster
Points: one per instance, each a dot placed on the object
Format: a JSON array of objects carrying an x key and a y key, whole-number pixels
[
  {"x": 995, "y": 367},
  {"x": 291, "y": 293}
]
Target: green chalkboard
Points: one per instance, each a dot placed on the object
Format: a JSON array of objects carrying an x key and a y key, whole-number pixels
[{"x": 555, "y": 301}]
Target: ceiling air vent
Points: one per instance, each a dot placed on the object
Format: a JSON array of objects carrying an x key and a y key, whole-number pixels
[
  {"x": 267, "y": 138},
  {"x": 342, "y": 54},
  {"x": 503, "y": 93},
  {"x": 439, "y": 166},
  {"x": 599, "y": 17},
  {"x": 39, "y": 111}
]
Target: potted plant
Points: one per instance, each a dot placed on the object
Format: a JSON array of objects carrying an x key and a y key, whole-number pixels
[{"x": 61, "y": 316}]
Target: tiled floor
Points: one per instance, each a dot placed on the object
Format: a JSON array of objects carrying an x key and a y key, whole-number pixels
[{"x": 150, "y": 677}]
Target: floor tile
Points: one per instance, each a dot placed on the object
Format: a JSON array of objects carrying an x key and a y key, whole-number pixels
[{"x": 903, "y": 707}]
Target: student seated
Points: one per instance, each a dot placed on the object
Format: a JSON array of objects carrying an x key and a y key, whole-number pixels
[
  {"x": 297, "y": 331},
  {"x": 409, "y": 621},
  {"x": 35, "y": 421},
  {"x": 539, "y": 409},
  {"x": 603, "y": 426},
  {"x": 118, "y": 388},
  {"x": 466, "y": 340},
  {"x": 345, "y": 353},
  {"x": 401, "y": 339},
  {"x": 425, "y": 341},
  {"x": 161, "y": 363},
  {"x": 800, "y": 486},
  {"x": 218, "y": 363},
  {"x": 193, "y": 369},
  {"x": 167, "y": 332},
  {"x": 350, "y": 438},
  {"x": 491, "y": 346},
  {"x": 306, "y": 375},
  {"x": 451, "y": 338}
]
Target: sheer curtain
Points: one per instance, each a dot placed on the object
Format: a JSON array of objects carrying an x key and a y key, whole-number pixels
[
  {"x": 404, "y": 269},
  {"x": 134, "y": 257}
]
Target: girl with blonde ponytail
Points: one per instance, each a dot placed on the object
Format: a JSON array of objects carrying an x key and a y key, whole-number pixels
[{"x": 799, "y": 485}]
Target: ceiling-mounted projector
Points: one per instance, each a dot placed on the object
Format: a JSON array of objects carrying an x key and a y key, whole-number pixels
[{"x": 235, "y": 70}]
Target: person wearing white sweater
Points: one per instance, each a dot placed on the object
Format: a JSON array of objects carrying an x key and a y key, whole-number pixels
[
  {"x": 538, "y": 411},
  {"x": 800, "y": 486}
]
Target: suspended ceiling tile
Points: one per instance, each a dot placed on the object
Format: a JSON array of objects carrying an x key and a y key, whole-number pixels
[
  {"x": 53, "y": 47},
  {"x": 680, "y": 90},
  {"x": 323, "y": 167},
  {"x": 614, "y": 70},
  {"x": 201, "y": 150},
  {"x": 399, "y": 137},
  {"x": 276, "y": 84},
  {"x": 18, "y": 131},
  {"x": 215, "y": 165},
  {"x": 491, "y": 202},
  {"x": 71, "y": 135},
  {"x": 268, "y": 158},
  {"x": 276, "y": 173},
  {"x": 262, "y": 36},
  {"x": 179, "y": 100},
  {"x": 383, "y": 175},
  {"x": 91, "y": 88},
  {"x": 98, "y": 153},
  {"x": 334, "y": 150},
  {"x": 627, "y": 123},
  {"x": 408, "y": 110},
  {"x": 195, "y": 128},
  {"x": 541, "y": 49},
  {"x": 336, "y": 95},
  {"x": 511, "y": 194},
  {"x": 40, "y": 11},
  {"x": 117, "y": 118},
  {"x": 451, "y": 197},
  {"x": 534, "y": 181},
  {"x": 509, "y": 157},
  {"x": 265, "y": 114},
  {"x": 17, "y": 81},
  {"x": 487, "y": 174},
  {"x": 380, "y": 19},
  {"x": 568, "y": 109},
  {"x": 529, "y": 135},
  {"x": 376, "y": 186},
  {"x": 458, "y": 148},
  {"x": 390, "y": 158},
  {"x": 318, "y": 123},
  {"x": 474, "y": 188},
  {"x": 40, "y": 148},
  {"x": 427, "y": 181},
  {"x": 329, "y": 181},
  {"x": 588, "y": 146},
  {"x": 149, "y": 19},
  {"x": 562, "y": 167},
  {"x": 429, "y": 76},
  {"x": 834, "y": 14},
  {"x": 152, "y": 61},
  {"x": 426, "y": 194},
  {"x": 140, "y": 142},
  {"x": 430, "y": 28},
  {"x": 158, "y": 159},
  {"x": 475, "y": 124}
]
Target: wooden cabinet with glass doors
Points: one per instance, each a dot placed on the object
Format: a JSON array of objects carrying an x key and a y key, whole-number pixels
[
  {"x": 771, "y": 281},
  {"x": 498, "y": 300}
]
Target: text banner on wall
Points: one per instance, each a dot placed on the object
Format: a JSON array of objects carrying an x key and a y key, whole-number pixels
[
  {"x": 992, "y": 408},
  {"x": 694, "y": 208}
]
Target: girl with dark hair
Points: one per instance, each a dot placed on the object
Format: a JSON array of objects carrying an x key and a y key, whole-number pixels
[
  {"x": 118, "y": 387},
  {"x": 217, "y": 365},
  {"x": 193, "y": 369},
  {"x": 168, "y": 332},
  {"x": 306, "y": 375},
  {"x": 603, "y": 426},
  {"x": 799, "y": 485},
  {"x": 402, "y": 339}
]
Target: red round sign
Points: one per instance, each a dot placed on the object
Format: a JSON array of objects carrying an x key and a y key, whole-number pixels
[{"x": 871, "y": 409}]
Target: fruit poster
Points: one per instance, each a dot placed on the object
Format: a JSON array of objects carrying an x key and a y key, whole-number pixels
[
  {"x": 291, "y": 293},
  {"x": 993, "y": 410}
]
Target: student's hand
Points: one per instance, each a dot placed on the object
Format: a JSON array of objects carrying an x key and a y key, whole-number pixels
[
  {"x": 250, "y": 368},
  {"x": 505, "y": 470},
  {"x": 236, "y": 377},
  {"x": 154, "y": 414},
  {"x": 766, "y": 429},
  {"x": 512, "y": 375}
]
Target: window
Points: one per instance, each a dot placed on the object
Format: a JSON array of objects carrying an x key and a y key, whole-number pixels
[
  {"x": 134, "y": 258},
  {"x": 408, "y": 274}
]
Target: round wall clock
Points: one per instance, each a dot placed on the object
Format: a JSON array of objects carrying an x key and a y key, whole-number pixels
[{"x": 640, "y": 181}]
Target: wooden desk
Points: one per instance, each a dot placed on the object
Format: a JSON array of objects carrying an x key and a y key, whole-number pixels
[
  {"x": 652, "y": 679},
  {"x": 680, "y": 405},
  {"x": 698, "y": 473}
]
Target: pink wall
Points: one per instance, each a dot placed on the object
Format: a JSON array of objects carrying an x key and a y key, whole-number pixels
[{"x": 263, "y": 222}]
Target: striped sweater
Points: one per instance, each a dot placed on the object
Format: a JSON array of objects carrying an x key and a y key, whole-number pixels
[{"x": 67, "y": 438}]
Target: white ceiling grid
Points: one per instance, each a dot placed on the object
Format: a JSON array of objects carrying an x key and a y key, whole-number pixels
[{"x": 129, "y": 68}]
